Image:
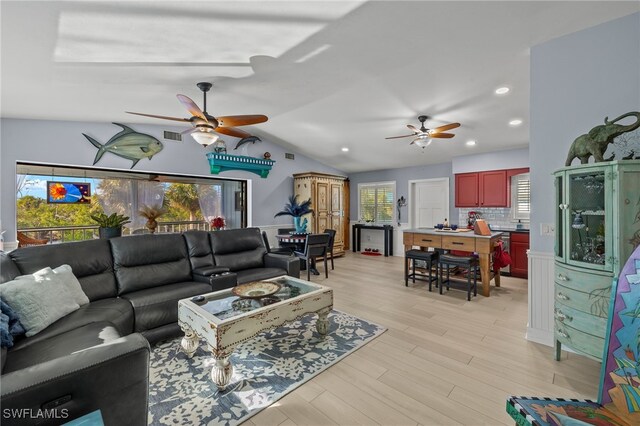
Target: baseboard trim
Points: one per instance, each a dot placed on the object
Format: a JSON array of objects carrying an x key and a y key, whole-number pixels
[{"x": 543, "y": 337}]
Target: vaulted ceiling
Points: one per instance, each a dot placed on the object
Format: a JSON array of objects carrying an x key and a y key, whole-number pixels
[{"x": 328, "y": 74}]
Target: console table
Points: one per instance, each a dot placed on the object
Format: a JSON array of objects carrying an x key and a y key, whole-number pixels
[
  {"x": 464, "y": 241},
  {"x": 388, "y": 236}
]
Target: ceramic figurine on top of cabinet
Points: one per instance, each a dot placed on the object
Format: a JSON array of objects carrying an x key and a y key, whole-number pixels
[{"x": 597, "y": 215}]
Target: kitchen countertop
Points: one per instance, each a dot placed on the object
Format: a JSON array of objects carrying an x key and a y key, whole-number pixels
[
  {"x": 470, "y": 234},
  {"x": 524, "y": 230}
]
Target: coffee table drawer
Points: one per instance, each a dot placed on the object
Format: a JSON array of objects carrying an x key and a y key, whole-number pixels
[
  {"x": 426, "y": 240},
  {"x": 459, "y": 243}
]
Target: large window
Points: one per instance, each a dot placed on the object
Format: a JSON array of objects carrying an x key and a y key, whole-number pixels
[
  {"x": 376, "y": 202},
  {"x": 56, "y": 202},
  {"x": 521, "y": 197}
]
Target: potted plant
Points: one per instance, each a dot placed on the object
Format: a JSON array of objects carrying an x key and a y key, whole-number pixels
[
  {"x": 151, "y": 213},
  {"x": 110, "y": 226},
  {"x": 292, "y": 208}
]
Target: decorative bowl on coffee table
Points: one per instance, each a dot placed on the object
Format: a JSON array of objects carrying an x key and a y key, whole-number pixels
[{"x": 256, "y": 290}]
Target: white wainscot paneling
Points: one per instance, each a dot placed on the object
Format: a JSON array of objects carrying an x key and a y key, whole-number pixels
[{"x": 541, "y": 294}]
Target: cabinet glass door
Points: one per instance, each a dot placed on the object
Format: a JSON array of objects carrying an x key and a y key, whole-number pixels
[
  {"x": 560, "y": 220},
  {"x": 589, "y": 242}
]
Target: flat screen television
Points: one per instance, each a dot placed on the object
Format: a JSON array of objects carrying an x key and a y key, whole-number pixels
[{"x": 68, "y": 192}]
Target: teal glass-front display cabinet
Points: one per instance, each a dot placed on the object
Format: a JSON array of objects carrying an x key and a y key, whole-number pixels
[{"x": 597, "y": 228}]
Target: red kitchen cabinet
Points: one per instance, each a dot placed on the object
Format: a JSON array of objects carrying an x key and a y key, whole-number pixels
[
  {"x": 482, "y": 189},
  {"x": 467, "y": 190},
  {"x": 493, "y": 188},
  {"x": 519, "y": 247}
]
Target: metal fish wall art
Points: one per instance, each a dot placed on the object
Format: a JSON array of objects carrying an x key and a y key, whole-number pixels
[{"x": 128, "y": 144}]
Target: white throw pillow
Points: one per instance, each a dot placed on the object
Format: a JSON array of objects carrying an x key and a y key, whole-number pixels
[
  {"x": 65, "y": 275},
  {"x": 39, "y": 299}
]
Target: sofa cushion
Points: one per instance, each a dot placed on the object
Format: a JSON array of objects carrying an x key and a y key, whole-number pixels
[
  {"x": 118, "y": 312},
  {"x": 38, "y": 300},
  {"x": 199, "y": 249},
  {"x": 90, "y": 261},
  {"x": 238, "y": 249},
  {"x": 61, "y": 345},
  {"x": 8, "y": 269},
  {"x": 257, "y": 274},
  {"x": 158, "y": 306},
  {"x": 149, "y": 261}
]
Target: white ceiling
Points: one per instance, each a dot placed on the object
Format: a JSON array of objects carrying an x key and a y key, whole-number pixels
[{"x": 328, "y": 74}]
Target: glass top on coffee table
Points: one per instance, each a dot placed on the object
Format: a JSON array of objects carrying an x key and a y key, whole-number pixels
[{"x": 225, "y": 304}]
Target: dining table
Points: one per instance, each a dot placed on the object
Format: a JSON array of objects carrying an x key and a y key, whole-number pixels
[
  {"x": 297, "y": 242},
  {"x": 461, "y": 240}
]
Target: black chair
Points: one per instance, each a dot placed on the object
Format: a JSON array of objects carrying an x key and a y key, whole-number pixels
[
  {"x": 429, "y": 257},
  {"x": 470, "y": 262},
  {"x": 332, "y": 238},
  {"x": 281, "y": 250},
  {"x": 316, "y": 245}
]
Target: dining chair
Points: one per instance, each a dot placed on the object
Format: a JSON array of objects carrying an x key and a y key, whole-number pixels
[
  {"x": 332, "y": 238},
  {"x": 316, "y": 245},
  {"x": 281, "y": 250}
]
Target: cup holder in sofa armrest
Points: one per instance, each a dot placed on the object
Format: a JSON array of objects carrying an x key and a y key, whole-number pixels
[
  {"x": 223, "y": 280},
  {"x": 207, "y": 271}
]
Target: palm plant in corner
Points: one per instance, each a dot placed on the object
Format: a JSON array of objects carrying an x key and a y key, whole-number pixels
[{"x": 292, "y": 208}]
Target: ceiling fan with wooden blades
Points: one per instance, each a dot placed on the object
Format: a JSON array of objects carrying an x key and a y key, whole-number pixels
[
  {"x": 205, "y": 126},
  {"x": 424, "y": 136}
]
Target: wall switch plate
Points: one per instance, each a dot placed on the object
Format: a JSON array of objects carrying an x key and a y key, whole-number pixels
[{"x": 547, "y": 229}]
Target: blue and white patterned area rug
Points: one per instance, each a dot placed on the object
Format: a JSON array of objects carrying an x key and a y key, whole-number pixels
[{"x": 265, "y": 369}]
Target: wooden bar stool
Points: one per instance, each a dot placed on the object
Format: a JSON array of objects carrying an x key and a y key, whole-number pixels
[
  {"x": 470, "y": 262},
  {"x": 429, "y": 257}
]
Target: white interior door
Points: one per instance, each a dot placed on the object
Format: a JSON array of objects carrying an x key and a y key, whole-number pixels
[{"x": 430, "y": 202}]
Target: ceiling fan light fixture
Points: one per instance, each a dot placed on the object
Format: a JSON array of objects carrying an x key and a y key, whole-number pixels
[
  {"x": 502, "y": 90},
  {"x": 205, "y": 138},
  {"x": 471, "y": 143},
  {"x": 423, "y": 141}
]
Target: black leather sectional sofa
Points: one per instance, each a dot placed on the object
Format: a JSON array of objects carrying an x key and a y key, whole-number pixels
[{"x": 97, "y": 357}]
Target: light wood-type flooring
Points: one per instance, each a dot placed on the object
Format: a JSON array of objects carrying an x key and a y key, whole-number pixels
[{"x": 442, "y": 361}]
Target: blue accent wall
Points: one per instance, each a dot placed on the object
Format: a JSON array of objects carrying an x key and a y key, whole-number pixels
[{"x": 576, "y": 81}]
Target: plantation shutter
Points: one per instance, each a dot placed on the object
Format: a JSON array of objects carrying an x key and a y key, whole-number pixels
[
  {"x": 522, "y": 201},
  {"x": 377, "y": 202}
]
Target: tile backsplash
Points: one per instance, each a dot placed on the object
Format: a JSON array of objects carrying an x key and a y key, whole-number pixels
[{"x": 497, "y": 217}]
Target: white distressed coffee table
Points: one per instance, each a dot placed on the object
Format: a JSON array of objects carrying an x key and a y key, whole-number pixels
[{"x": 224, "y": 320}]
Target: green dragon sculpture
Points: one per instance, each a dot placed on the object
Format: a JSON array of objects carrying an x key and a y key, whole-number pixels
[{"x": 598, "y": 139}]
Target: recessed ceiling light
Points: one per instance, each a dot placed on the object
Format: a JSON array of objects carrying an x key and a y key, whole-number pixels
[
  {"x": 515, "y": 122},
  {"x": 502, "y": 90},
  {"x": 345, "y": 149},
  {"x": 471, "y": 143}
]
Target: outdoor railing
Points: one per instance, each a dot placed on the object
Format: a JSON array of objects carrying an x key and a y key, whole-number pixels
[{"x": 60, "y": 234}]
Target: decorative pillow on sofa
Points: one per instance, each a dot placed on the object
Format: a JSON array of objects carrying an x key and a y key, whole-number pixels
[
  {"x": 39, "y": 299},
  {"x": 71, "y": 283}
]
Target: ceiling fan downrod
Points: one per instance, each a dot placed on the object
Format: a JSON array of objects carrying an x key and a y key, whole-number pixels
[{"x": 205, "y": 87}]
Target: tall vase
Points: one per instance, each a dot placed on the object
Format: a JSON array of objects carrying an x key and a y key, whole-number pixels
[{"x": 300, "y": 224}]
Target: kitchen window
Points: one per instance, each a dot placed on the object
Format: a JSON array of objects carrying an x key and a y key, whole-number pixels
[
  {"x": 376, "y": 202},
  {"x": 521, "y": 197}
]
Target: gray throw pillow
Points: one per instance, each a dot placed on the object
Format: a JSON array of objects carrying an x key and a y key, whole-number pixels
[
  {"x": 68, "y": 280},
  {"x": 39, "y": 300}
]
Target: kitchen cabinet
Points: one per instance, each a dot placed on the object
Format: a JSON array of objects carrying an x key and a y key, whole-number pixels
[
  {"x": 596, "y": 231},
  {"x": 467, "y": 190},
  {"x": 492, "y": 188},
  {"x": 329, "y": 196},
  {"x": 519, "y": 244},
  {"x": 485, "y": 189}
]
